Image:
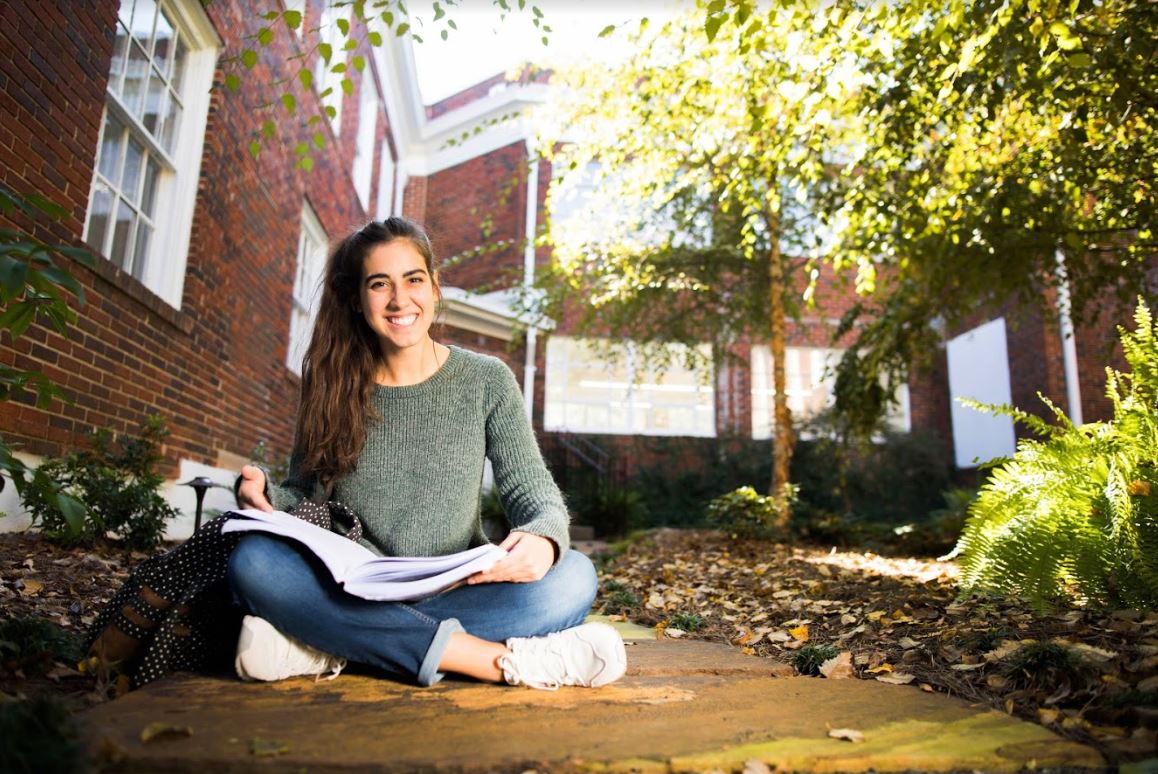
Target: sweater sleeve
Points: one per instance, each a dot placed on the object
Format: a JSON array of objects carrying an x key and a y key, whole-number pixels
[
  {"x": 529, "y": 494},
  {"x": 293, "y": 490}
]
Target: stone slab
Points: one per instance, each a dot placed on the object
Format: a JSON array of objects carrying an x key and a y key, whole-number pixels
[{"x": 683, "y": 706}]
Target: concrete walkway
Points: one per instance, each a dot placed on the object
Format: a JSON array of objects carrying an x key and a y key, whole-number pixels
[{"x": 684, "y": 706}]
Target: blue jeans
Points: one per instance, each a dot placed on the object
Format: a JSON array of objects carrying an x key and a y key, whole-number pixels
[{"x": 275, "y": 580}]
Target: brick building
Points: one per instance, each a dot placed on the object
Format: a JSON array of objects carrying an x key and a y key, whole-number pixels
[
  {"x": 198, "y": 306},
  {"x": 199, "y": 303}
]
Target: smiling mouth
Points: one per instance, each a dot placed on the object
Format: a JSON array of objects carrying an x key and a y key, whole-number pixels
[{"x": 403, "y": 322}]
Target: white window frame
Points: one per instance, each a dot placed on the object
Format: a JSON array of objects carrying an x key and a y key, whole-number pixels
[
  {"x": 386, "y": 167},
  {"x": 626, "y": 389},
  {"x": 368, "y": 108},
  {"x": 313, "y": 245},
  {"x": 176, "y": 195},
  {"x": 803, "y": 389}
]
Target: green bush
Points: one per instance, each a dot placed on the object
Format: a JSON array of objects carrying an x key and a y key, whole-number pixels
[
  {"x": 810, "y": 658},
  {"x": 33, "y": 645},
  {"x": 116, "y": 481},
  {"x": 743, "y": 513},
  {"x": 41, "y": 736},
  {"x": 610, "y": 508},
  {"x": 884, "y": 495},
  {"x": 1078, "y": 510}
]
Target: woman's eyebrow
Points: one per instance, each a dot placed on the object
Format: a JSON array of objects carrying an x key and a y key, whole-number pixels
[{"x": 380, "y": 275}]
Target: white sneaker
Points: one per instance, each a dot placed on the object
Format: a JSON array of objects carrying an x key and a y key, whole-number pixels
[
  {"x": 264, "y": 653},
  {"x": 590, "y": 655}
]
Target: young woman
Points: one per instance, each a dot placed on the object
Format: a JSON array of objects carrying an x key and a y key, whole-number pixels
[{"x": 396, "y": 427}]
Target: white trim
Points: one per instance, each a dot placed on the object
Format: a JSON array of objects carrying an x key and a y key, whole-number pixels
[
  {"x": 529, "y": 368},
  {"x": 422, "y": 144},
  {"x": 478, "y": 314},
  {"x": 1069, "y": 343}
]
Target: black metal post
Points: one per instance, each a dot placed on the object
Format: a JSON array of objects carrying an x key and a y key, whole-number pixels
[{"x": 200, "y": 485}]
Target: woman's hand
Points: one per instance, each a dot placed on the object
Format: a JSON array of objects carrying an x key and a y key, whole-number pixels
[
  {"x": 251, "y": 493},
  {"x": 528, "y": 559}
]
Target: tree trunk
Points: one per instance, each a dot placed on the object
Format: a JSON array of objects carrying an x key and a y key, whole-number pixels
[{"x": 783, "y": 439}]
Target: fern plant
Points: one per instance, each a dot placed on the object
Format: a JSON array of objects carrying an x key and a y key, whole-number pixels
[{"x": 1077, "y": 511}]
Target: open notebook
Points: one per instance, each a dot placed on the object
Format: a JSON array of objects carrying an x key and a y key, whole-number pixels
[{"x": 359, "y": 570}]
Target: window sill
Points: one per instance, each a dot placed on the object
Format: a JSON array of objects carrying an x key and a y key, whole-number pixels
[{"x": 136, "y": 291}]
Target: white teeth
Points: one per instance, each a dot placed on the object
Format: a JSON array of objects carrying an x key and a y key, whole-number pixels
[{"x": 403, "y": 321}]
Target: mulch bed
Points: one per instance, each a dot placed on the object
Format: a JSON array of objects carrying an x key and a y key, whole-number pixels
[{"x": 1089, "y": 675}]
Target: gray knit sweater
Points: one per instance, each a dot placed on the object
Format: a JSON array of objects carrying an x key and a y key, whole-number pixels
[{"x": 417, "y": 482}]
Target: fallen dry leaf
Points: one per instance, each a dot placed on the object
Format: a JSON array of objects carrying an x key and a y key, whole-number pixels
[
  {"x": 160, "y": 730},
  {"x": 30, "y": 586},
  {"x": 897, "y": 678},
  {"x": 886, "y": 667},
  {"x": 839, "y": 667},
  {"x": 800, "y": 633},
  {"x": 847, "y": 734},
  {"x": 265, "y": 748}
]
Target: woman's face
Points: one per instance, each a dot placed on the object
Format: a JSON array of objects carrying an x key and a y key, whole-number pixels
[{"x": 398, "y": 296}]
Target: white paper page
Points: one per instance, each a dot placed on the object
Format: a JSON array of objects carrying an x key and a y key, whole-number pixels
[{"x": 359, "y": 570}]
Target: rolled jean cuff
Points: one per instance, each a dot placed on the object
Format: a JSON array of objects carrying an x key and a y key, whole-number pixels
[{"x": 428, "y": 673}]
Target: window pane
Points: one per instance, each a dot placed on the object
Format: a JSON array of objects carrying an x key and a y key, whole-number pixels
[
  {"x": 154, "y": 102},
  {"x": 163, "y": 44},
  {"x": 98, "y": 219},
  {"x": 110, "y": 155},
  {"x": 131, "y": 178},
  {"x": 117, "y": 69},
  {"x": 125, "y": 14},
  {"x": 144, "y": 16},
  {"x": 148, "y": 197},
  {"x": 136, "y": 75},
  {"x": 168, "y": 136},
  {"x": 177, "y": 77},
  {"x": 141, "y": 250},
  {"x": 122, "y": 235}
]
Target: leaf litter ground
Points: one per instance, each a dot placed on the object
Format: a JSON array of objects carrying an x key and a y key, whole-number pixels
[{"x": 1089, "y": 675}]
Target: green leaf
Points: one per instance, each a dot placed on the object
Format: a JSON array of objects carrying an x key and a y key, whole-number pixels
[
  {"x": 374, "y": 37},
  {"x": 269, "y": 128},
  {"x": 438, "y": 12},
  {"x": 1079, "y": 61},
  {"x": 402, "y": 29},
  {"x": 338, "y": 68},
  {"x": 712, "y": 26},
  {"x": 325, "y": 51},
  {"x": 609, "y": 29},
  {"x": 306, "y": 77},
  {"x": 73, "y": 510},
  {"x": 233, "y": 82},
  {"x": 265, "y": 36},
  {"x": 307, "y": 163},
  {"x": 319, "y": 140},
  {"x": 12, "y": 273},
  {"x": 17, "y": 317},
  {"x": 289, "y": 103},
  {"x": 302, "y": 149},
  {"x": 293, "y": 19},
  {"x": 347, "y": 86},
  {"x": 359, "y": 63},
  {"x": 388, "y": 19},
  {"x": 331, "y": 111},
  {"x": 444, "y": 34},
  {"x": 343, "y": 26},
  {"x": 255, "y": 148},
  {"x": 249, "y": 58}
]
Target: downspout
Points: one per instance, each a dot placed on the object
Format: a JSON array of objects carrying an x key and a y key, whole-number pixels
[
  {"x": 1069, "y": 345},
  {"x": 529, "y": 278}
]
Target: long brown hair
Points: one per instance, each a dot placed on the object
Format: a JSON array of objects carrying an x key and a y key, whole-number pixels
[{"x": 340, "y": 365}]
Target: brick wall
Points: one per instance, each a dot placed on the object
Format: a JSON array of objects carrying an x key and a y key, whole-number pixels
[
  {"x": 476, "y": 215},
  {"x": 214, "y": 369}
]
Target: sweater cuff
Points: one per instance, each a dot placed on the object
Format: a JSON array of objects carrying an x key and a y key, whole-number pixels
[{"x": 554, "y": 527}]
